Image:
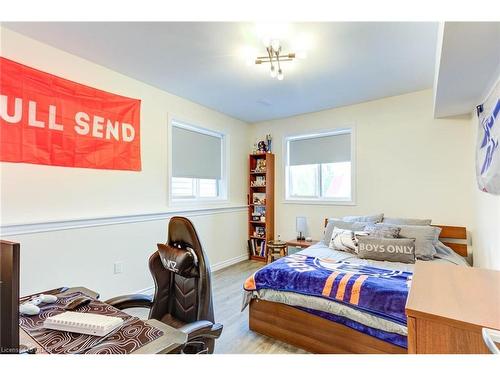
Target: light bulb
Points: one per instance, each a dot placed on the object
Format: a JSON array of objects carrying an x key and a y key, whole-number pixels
[
  {"x": 301, "y": 54},
  {"x": 280, "y": 75},
  {"x": 273, "y": 72}
]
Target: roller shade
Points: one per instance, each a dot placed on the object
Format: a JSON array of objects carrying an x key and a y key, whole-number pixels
[
  {"x": 195, "y": 155},
  {"x": 320, "y": 150}
]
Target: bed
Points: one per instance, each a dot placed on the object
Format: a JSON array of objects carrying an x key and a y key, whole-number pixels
[{"x": 309, "y": 320}]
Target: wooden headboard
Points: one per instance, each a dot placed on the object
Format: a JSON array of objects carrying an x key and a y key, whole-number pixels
[{"x": 457, "y": 234}]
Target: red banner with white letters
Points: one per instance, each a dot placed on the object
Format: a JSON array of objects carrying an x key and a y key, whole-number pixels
[{"x": 45, "y": 119}]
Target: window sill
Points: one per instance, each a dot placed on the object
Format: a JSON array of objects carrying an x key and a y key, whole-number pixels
[{"x": 318, "y": 202}]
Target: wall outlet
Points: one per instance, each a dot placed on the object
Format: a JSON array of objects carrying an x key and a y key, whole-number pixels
[{"x": 118, "y": 268}]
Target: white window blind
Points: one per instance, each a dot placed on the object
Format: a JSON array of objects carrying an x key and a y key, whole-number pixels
[
  {"x": 319, "y": 167},
  {"x": 324, "y": 149},
  {"x": 196, "y": 154}
]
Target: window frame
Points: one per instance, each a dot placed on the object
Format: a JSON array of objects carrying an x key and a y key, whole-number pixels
[
  {"x": 222, "y": 186},
  {"x": 287, "y": 198}
]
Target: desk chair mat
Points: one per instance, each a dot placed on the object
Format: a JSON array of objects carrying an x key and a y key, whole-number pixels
[{"x": 133, "y": 334}]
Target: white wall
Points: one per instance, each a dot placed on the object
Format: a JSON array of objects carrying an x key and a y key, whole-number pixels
[
  {"x": 36, "y": 193},
  {"x": 408, "y": 164}
]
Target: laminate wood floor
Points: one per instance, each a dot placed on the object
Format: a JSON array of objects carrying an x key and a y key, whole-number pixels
[{"x": 236, "y": 338}]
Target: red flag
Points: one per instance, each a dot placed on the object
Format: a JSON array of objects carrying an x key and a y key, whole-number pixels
[{"x": 45, "y": 119}]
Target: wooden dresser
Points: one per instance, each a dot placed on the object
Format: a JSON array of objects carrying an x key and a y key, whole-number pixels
[{"x": 447, "y": 307}]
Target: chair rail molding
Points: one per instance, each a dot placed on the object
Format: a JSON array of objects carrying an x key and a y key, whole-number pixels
[{"x": 50, "y": 226}]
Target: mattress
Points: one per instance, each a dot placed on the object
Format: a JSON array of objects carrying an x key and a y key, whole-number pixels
[{"x": 385, "y": 329}]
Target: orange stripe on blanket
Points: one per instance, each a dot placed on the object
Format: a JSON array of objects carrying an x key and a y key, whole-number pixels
[
  {"x": 250, "y": 283},
  {"x": 329, "y": 283},
  {"x": 356, "y": 289},
  {"x": 342, "y": 285}
]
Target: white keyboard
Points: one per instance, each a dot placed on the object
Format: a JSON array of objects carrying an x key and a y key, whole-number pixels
[{"x": 86, "y": 323}]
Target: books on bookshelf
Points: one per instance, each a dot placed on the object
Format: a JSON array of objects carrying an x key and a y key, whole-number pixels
[
  {"x": 260, "y": 204},
  {"x": 257, "y": 247}
]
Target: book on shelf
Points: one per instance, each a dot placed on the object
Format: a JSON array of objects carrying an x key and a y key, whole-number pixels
[{"x": 257, "y": 246}]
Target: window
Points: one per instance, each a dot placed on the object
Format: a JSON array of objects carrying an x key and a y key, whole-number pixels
[
  {"x": 197, "y": 163},
  {"x": 319, "y": 167}
]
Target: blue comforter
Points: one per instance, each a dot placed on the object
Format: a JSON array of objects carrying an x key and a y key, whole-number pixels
[{"x": 378, "y": 291}]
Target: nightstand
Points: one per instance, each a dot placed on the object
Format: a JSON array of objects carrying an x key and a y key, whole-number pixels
[
  {"x": 300, "y": 244},
  {"x": 447, "y": 307}
]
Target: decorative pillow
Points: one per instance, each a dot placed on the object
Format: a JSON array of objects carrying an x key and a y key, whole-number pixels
[
  {"x": 425, "y": 236},
  {"x": 365, "y": 219},
  {"x": 345, "y": 240},
  {"x": 390, "y": 249},
  {"x": 384, "y": 231},
  {"x": 332, "y": 223},
  {"x": 404, "y": 221}
]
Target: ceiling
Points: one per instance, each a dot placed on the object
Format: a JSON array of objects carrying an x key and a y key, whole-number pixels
[
  {"x": 205, "y": 62},
  {"x": 468, "y": 66}
]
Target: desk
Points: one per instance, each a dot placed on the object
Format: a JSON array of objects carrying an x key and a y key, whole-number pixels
[
  {"x": 447, "y": 307},
  {"x": 171, "y": 340}
]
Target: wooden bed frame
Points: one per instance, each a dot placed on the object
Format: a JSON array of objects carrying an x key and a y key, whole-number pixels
[{"x": 318, "y": 335}]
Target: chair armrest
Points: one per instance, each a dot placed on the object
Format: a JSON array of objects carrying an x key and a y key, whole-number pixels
[
  {"x": 130, "y": 301},
  {"x": 202, "y": 328}
]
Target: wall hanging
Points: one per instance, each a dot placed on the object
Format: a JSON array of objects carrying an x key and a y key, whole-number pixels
[
  {"x": 488, "y": 152},
  {"x": 45, "y": 119}
]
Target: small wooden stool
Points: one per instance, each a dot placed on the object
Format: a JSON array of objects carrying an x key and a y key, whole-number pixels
[{"x": 275, "y": 248}]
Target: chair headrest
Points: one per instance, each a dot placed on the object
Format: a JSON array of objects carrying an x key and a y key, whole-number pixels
[{"x": 178, "y": 260}]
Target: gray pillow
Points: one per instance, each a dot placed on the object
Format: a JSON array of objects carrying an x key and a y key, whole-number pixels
[
  {"x": 425, "y": 236},
  {"x": 384, "y": 231},
  {"x": 390, "y": 249},
  {"x": 366, "y": 218},
  {"x": 405, "y": 221},
  {"x": 332, "y": 223}
]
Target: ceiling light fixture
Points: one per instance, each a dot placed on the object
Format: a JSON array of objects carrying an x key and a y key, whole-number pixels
[{"x": 275, "y": 58}]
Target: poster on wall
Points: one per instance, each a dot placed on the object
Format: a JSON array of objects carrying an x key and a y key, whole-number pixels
[
  {"x": 488, "y": 149},
  {"x": 45, "y": 119}
]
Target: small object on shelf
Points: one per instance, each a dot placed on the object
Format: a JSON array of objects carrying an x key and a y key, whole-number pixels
[
  {"x": 259, "y": 232},
  {"x": 260, "y": 166},
  {"x": 309, "y": 239},
  {"x": 256, "y": 217},
  {"x": 262, "y": 147},
  {"x": 260, "y": 181},
  {"x": 301, "y": 227},
  {"x": 259, "y": 198},
  {"x": 269, "y": 142}
]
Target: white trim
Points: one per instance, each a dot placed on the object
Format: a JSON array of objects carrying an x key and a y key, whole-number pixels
[
  {"x": 347, "y": 129},
  {"x": 216, "y": 267},
  {"x": 51, "y": 226},
  {"x": 229, "y": 262}
]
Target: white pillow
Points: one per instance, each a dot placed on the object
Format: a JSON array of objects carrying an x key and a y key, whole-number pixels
[{"x": 345, "y": 240}]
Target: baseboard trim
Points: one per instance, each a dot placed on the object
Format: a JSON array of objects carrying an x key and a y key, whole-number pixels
[
  {"x": 228, "y": 262},
  {"x": 50, "y": 226},
  {"x": 216, "y": 267}
]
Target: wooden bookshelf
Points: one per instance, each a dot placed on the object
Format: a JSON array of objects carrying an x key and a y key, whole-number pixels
[{"x": 257, "y": 244}]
